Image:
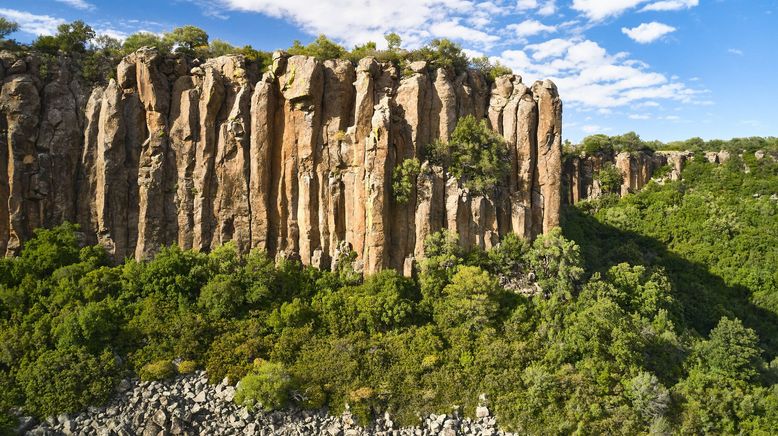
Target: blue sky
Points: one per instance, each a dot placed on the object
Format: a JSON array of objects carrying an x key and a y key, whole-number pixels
[{"x": 667, "y": 69}]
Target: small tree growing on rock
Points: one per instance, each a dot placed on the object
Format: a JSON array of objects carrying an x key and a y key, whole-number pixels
[{"x": 475, "y": 154}]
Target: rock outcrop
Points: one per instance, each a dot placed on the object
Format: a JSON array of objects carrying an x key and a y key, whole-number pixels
[
  {"x": 637, "y": 169},
  {"x": 298, "y": 162}
]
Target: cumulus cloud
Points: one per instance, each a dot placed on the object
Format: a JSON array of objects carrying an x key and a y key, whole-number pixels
[
  {"x": 670, "y": 5},
  {"x": 590, "y": 77},
  {"x": 356, "y": 21},
  {"x": 735, "y": 51},
  {"x": 601, "y": 9},
  {"x": 648, "y": 32},
  {"x": 31, "y": 23},
  {"x": 78, "y": 4},
  {"x": 597, "y": 10},
  {"x": 530, "y": 28}
]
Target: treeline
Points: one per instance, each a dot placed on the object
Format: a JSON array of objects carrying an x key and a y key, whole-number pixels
[
  {"x": 98, "y": 55},
  {"x": 631, "y": 142}
]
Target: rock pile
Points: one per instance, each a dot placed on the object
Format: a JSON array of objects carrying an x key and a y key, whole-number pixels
[{"x": 189, "y": 405}]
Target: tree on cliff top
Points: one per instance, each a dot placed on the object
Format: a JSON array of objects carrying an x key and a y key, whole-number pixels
[
  {"x": 322, "y": 48},
  {"x": 187, "y": 39},
  {"x": 7, "y": 27}
]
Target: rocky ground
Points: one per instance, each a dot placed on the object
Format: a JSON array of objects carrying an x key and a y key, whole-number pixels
[{"x": 189, "y": 405}]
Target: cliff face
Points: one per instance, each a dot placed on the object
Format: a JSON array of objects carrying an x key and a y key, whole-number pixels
[
  {"x": 298, "y": 162},
  {"x": 637, "y": 169}
]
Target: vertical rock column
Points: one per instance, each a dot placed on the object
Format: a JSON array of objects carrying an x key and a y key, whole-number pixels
[
  {"x": 20, "y": 104},
  {"x": 231, "y": 190},
  {"x": 262, "y": 112},
  {"x": 212, "y": 96},
  {"x": 184, "y": 116},
  {"x": 154, "y": 93},
  {"x": 353, "y": 153},
  {"x": 337, "y": 111},
  {"x": 526, "y": 161},
  {"x": 59, "y": 145},
  {"x": 298, "y": 120},
  {"x": 547, "y": 192},
  {"x": 412, "y": 221}
]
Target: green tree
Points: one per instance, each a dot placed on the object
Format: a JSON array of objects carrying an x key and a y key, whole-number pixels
[
  {"x": 321, "y": 48},
  {"x": 610, "y": 178},
  {"x": 70, "y": 38},
  {"x": 442, "y": 53},
  {"x": 67, "y": 380},
  {"x": 474, "y": 154},
  {"x": 404, "y": 179},
  {"x": 187, "y": 40},
  {"x": 470, "y": 302},
  {"x": 145, "y": 39},
  {"x": 7, "y": 27},
  {"x": 217, "y": 48},
  {"x": 556, "y": 262},
  {"x": 598, "y": 143},
  {"x": 731, "y": 351},
  {"x": 393, "y": 41}
]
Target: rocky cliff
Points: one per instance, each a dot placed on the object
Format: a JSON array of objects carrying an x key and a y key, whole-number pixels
[
  {"x": 297, "y": 162},
  {"x": 637, "y": 169}
]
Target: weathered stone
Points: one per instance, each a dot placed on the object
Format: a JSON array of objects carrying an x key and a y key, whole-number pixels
[{"x": 547, "y": 194}]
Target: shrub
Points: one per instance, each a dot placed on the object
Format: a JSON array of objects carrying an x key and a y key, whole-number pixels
[
  {"x": 267, "y": 387},
  {"x": 322, "y": 48},
  {"x": 187, "y": 367},
  {"x": 159, "y": 370},
  {"x": 610, "y": 178},
  {"x": 475, "y": 154},
  {"x": 222, "y": 297},
  {"x": 442, "y": 53},
  {"x": 67, "y": 380},
  {"x": 404, "y": 179}
]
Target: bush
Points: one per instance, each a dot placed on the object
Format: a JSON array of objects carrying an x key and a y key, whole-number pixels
[
  {"x": 322, "y": 48},
  {"x": 187, "y": 367},
  {"x": 222, "y": 297},
  {"x": 404, "y": 179},
  {"x": 267, "y": 387},
  {"x": 67, "y": 380},
  {"x": 159, "y": 370},
  {"x": 475, "y": 154},
  {"x": 610, "y": 178}
]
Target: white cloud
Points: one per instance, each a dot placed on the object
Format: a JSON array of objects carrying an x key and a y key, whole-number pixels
[
  {"x": 594, "y": 128},
  {"x": 639, "y": 117},
  {"x": 453, "y": 30},
  {"x": 600, "y": 9},
  {"x": 524, "y": 5},
  {"x": 735, "y": 51},
  {"x": 356, "y": 21},
  {"x": 590, "y": 77},
  {"x": 530, "y": 28},
  {"x": 648, "y": 32},
  {"x": 671, "y": 5},
  {"x": 31, "y": 23},
  {"x": 548, "y": 8},
  {"x": 113, "y": 33},
  {"x": 78, "y": 4}
]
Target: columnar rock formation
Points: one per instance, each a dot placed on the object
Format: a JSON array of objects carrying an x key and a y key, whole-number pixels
[
  {"x": 636, "y": 169},
  {"x": 298, "y": 162}
]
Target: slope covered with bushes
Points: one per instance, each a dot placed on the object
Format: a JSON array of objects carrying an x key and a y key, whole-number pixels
[{"x": 627, "y": 326}]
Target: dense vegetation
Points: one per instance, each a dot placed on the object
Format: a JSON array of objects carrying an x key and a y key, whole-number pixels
[
  {"x": 656, "y": 312},
  {"x": 631, "y": 142},
  {"x": 474, "y": 154},
  {"x": 98, "y": 55}
]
